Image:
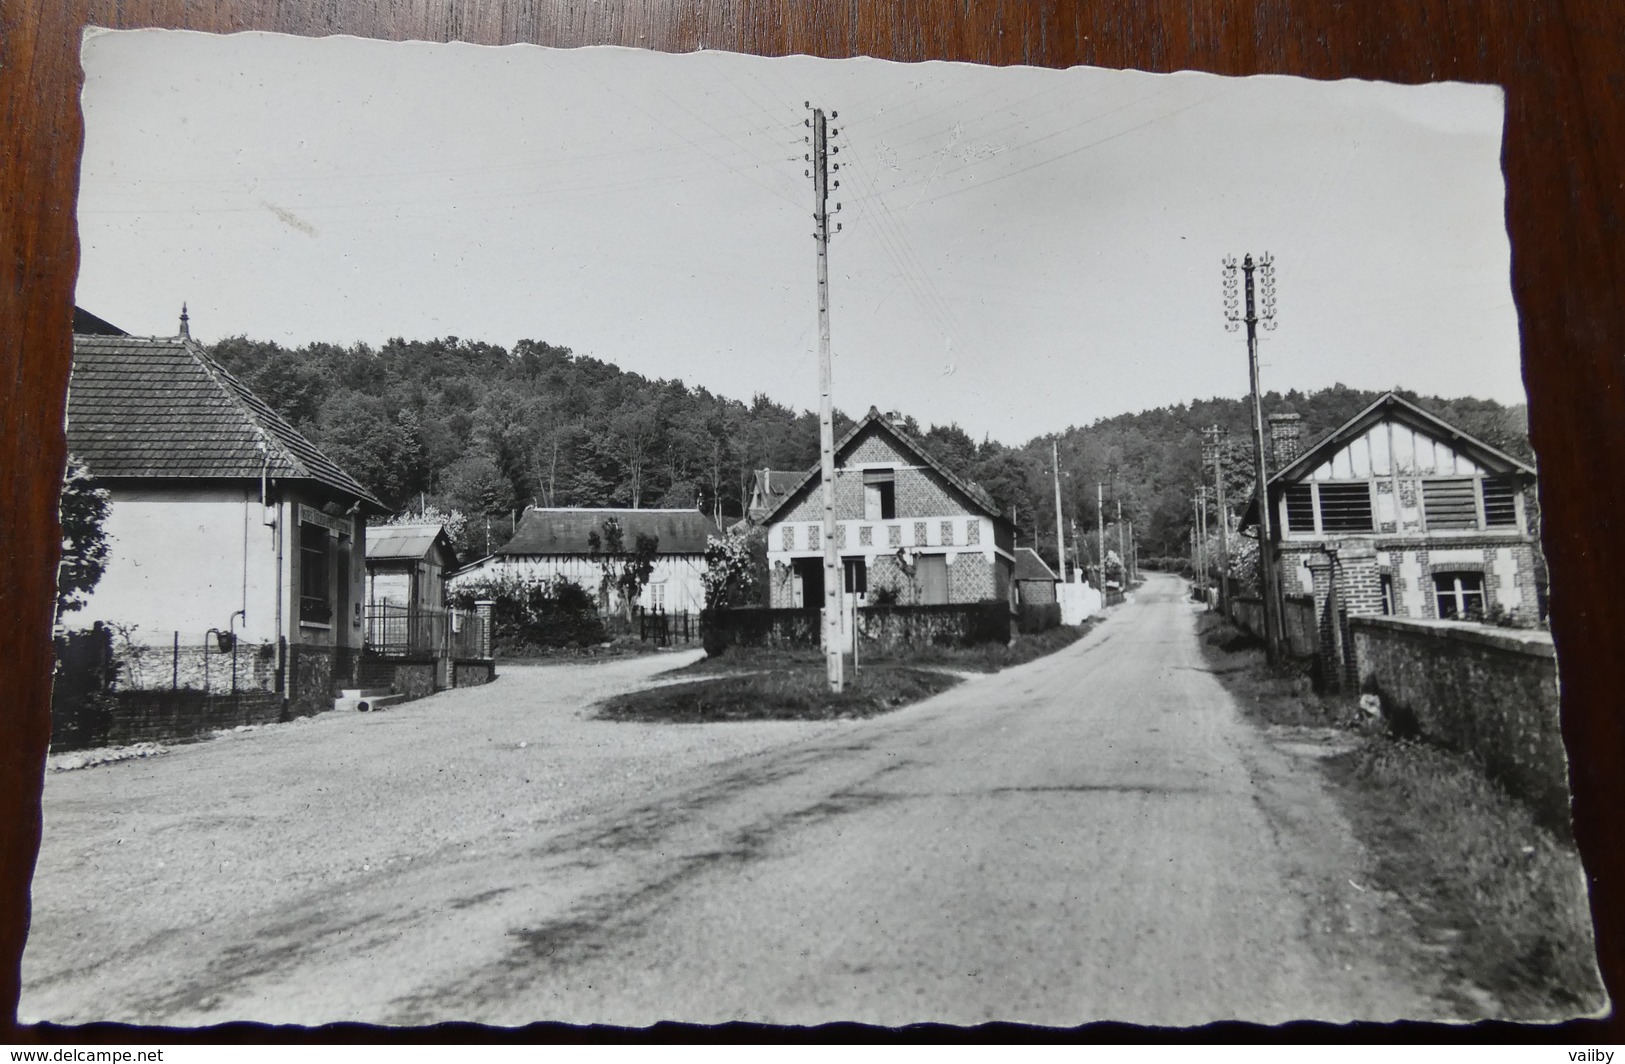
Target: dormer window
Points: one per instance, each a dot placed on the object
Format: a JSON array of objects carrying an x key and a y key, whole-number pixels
[{"x": 879, "y": 494}]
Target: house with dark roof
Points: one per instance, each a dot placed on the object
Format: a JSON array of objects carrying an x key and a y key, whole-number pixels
[
  {"x": 1035, "y": 580},
  {"x": 909, "y": 530},
  {"x": 223, "y": 518},
  {"x": 557, "y": 541},
  {"x": 1399, "y": 512},
  {"x": 767, "y": 490}
]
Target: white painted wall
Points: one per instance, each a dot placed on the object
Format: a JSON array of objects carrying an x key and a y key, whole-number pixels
[{"x": 186, "y": 560}]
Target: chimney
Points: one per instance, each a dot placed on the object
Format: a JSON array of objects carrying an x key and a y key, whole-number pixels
[{"x": 1284, "y": 430}]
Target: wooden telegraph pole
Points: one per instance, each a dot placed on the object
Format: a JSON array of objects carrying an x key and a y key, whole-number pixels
[
  {"x": 1100, "y": 536},
  {"x": 833, "y": 660},
  {"x": 1060, "y": 530},
  {"x": 1255, "y": 312},
  {"x": 1215, "y": 446}
]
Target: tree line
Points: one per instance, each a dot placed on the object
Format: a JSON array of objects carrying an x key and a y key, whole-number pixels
[{"x": 485, "y": 430}]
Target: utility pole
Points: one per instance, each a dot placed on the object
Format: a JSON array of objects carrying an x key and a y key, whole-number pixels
[
  {"x": 1254, "y": 313},
  {"x": 1100, "y": 534},
  {"x": 1215, "y": 445},
  {"x": 1122, "y": 544},
  {"x": 1060, "y": 530},
  {"x": 833, "y": 660}
]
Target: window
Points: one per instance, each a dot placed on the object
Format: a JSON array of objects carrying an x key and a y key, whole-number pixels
[
  {"x": 1459, "y": 595},
  {"x": 1500, "y": 502},
  {"x": 315, "y": 550},
  {"x": 1387, "y": 594},
  {"x": 1300, "y": 508},
  {"x": 857, "y": 576},
  {"x": 879, "y": 495},
  {"x": 657, "y": 595},
  {"x": 1449, "y": 502},
  {"x": 1345, "y": 507}
]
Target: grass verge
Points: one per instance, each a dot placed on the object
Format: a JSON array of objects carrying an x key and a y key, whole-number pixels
[
  {"x": 1501, "y": 900},
  {"x": 987, "y": 657},
  {"x": 794, "y": 692}
]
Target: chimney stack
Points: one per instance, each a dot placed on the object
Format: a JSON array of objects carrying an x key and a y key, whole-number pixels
[{"x": 1284, "y": 438}]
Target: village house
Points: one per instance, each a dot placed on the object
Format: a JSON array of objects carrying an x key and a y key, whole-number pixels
[
  {"x": 768, "y": 489},
  {"x": 1398, "y": 512},
  {"x": 908, "y": 529},
  {"x": 557, "y": 542},
  {"x": 226, "y": 526}
]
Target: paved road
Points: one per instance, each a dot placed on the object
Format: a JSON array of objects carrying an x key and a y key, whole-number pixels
[{"x": 1096, "y": 835}]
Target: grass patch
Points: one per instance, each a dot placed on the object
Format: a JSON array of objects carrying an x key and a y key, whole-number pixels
[
  {"x": 1478, "y": 871},
  {"x": 1500, "y": 899},
  {"x": 798, "y": 692},
  {"x": 626, "y": 646},
  {"x": 984, "y": 657}
]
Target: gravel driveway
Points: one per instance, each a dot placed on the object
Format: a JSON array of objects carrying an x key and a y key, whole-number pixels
[{"x": 150, "y": 868}]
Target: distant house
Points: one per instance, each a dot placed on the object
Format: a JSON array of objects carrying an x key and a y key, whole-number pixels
[
  {"x": 558, "y": 542},
  {"x": 223, "y": 517},
  {"x": 907, "y": 528},
  {"x": 407, "y": 565},
  {"x": 1399, "y": 512},
  {"x": 1035, "y": 580},
  {"x": 768, "y": 489}
]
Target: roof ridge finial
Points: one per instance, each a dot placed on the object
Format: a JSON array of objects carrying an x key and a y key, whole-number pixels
[{"x": 186, "y": 329}]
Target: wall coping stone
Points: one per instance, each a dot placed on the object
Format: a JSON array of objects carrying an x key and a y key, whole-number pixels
[{"x": 1519, "y": 641}]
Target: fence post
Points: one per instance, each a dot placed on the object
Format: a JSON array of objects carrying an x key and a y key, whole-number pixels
[
  {"x": 483, "y": 611},
  {"x": 175, "y": 665}
]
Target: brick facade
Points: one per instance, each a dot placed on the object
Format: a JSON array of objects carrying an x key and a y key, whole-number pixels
[{"x": 932, "y": 516}]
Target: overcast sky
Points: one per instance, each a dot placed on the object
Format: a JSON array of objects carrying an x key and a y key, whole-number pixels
[{"x": 1022, "y": 249}]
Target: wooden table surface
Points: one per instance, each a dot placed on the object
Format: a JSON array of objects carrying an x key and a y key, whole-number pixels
[{"x": 1561, "y": 62}]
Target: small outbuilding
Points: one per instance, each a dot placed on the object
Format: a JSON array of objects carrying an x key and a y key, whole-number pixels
[
  {"x": 1035, "y": 580},
  {"x": 407, "y": 565}
]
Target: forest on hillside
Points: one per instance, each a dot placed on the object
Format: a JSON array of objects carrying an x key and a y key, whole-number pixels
[{"x": 487, "y": 431}]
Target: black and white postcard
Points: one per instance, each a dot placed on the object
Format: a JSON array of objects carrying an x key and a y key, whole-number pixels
[{"x": 606, "y": 536}]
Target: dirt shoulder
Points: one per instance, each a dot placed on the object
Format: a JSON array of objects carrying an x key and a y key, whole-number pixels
[{"x": 1459, "y": 878}]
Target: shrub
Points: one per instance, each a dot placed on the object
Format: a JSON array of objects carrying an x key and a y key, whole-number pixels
[
  {"x": 1035, "y": 617},
  {"x": 529, "y": 614}
]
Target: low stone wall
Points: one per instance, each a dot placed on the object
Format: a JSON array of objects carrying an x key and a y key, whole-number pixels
[
  {"x": 883, "y": 628},
  {"x": 1300, "y": 627},
  {"x": 1248, "y": 615},
  {"x": 472, "y": 673},
  {"x": 119, "y": 718},
  {"x": 1487, "y": 692},
  {"x": 780, "y": 629}
]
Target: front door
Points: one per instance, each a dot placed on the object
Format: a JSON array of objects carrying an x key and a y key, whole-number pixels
[
  {"x": 932, "y": 572},
  {"x": 807, "y": 582}
]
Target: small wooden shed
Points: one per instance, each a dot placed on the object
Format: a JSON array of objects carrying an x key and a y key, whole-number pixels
[{"x": 407, "y": 565}]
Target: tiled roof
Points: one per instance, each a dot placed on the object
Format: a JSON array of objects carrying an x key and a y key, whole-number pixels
[
  {"x": 160, "y": 407},
  {"x": 774, "y": 482},
  {"x": 566, "y": 531},
  {"x": 1029, "y": 566}
]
